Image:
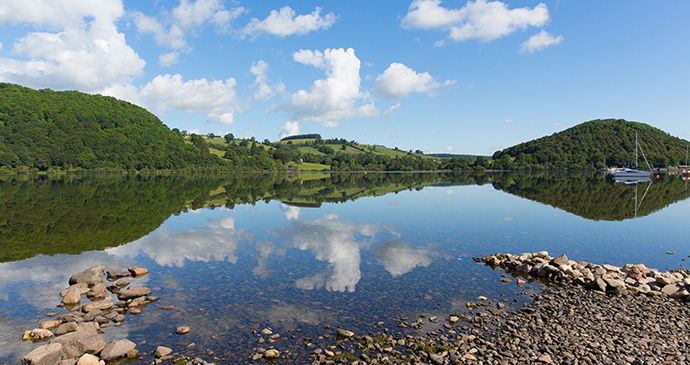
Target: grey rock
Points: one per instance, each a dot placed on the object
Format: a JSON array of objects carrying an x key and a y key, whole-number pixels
[
  {"x": 101, "y": 305},
  {"x": 92, "y": 315},
  {"x": 344, "y": 333},
  {"x": 89, "y": 359},
  {"x": 133, "y": 293},
  {"x": 66, "y": 328},
  {"x": 75, "y": 344},
  {"x": 117, "y": 349},
  {"x": 41, "y": 334},
  {"x": 71, "y": 317},
  {"x": 183, "y": 330},
  {"x": 560, "y": 260},
  {"x": 117, "y": 273},
  {"x": 90, "y": 276},
  {"x": 162, "y": 351},
  {"x": 44, "y": 355}
]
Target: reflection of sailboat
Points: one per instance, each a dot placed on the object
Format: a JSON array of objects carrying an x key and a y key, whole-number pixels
[
  {"x": 686, "y": 171},
  {"x": 627, "y": 172},
  {"x": 638, "y": 205}
]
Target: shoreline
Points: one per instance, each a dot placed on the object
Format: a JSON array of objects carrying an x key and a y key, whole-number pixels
[{"x": 572, "y": 319}]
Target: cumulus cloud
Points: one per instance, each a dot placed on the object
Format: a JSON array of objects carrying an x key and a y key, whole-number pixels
[
  {"x": 291, "y": 213},
  {"x": 87, "y": 52},
  {"x": 540, "y": 41},
  {"x": 399, "y": 258},
  {"x": 264, "y": 91},
  {"x": 285, "y": 23},
  {"x": 399, "y": 81},
  {"x": 168, "y": 59},
  {"x": 171, "y": 30},
  {"x": 481, "y": 20},
  {"x": 217, "y": 98},
  {"x": 450, "y": 148},
  {"x": 218, "y": 242},
  {"x": 289, "y": 129},
  {"x": 336, "y": 97},
  {"x": 336, "y": 243},
  {"x": 392, "y": 109},
  {"x": 330, "y": 124}
]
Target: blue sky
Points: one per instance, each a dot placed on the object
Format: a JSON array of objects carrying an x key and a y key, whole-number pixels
[{"x": 440, "y": 76}]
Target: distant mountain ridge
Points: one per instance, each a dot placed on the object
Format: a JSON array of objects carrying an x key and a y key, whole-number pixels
[{"x": 595, "y": 144}]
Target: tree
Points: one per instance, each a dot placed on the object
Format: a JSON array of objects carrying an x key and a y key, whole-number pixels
[{"x": 229, "y": 138}]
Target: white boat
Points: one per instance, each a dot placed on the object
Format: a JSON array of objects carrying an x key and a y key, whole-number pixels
[{"x": 628, "y": 172}]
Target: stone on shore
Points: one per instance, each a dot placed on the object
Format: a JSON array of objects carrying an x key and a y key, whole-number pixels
[
  {"x": 271, "y": 354},
  {"x": 117, "y": 349},
  {"x": 344, "y": 333},
  {"x": 138, "y": 271},
  {"x": 49, "y": 354},
  {"x": 182, "y": 330},
  {"x": 40, "y": 334},
  {"x": 72, "y": 295},
  {"x": 76, "y": 344},
  {"x": 133, "y": 293},
  {"x": 113, "y": 274},
  {"x": 162, "y": 351},
  {"x": 51, "y": 324},
  {"x": 90, "y": 276},
  {"x": 88, "y": 359},
  {"x": 101, "y": 305}
]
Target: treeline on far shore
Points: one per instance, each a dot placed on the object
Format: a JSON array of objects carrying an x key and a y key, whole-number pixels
[{"x": 50, "y": 132}]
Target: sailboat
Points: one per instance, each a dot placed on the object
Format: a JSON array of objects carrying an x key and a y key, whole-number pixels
[
  {"x": 686, "y": 172},
  {"x": 633, "y": 173}
]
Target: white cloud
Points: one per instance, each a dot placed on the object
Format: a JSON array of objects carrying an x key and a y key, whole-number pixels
[
  {"x": 399, "y": 258},
  {"x": 393, "y": 135},
  {"x": 428, "y": 14},
  {"x": 481, "y": 20},
  {"x": 336, "y": 97},
  {"x": 540, "y": 41},
  {"x": 398, "y": 81},
  {"x": 264, "y": 91},
  {"x": 329, "y": 124},
  {"x": 450, "y": 149},
  {"x": 217, "y": 98},
  {"x": 292, "y": 213},
  {"x": 509, "y": 121},
  {"x": 289, "y": 129},
  {"x": 171, "y": 30},
  {"x": 168, "y": 59},
  {"x": 339, "y": 244},
  {"x": 284, "y": 23},
  {"x": 389, "y": 112},
  {"x": 87, "y": 52}
]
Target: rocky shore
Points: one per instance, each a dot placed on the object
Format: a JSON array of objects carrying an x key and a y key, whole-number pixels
[
  {"x": 585, "y": 314},
  {"x": 75, "y": 337},
  {"x": 589, "y": 314}
]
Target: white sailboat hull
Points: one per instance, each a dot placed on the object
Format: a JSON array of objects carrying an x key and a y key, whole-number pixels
[{"x": 631, "y": 173}]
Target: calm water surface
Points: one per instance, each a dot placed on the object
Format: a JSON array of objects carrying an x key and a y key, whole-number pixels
[{"x": 301, "y": 253}]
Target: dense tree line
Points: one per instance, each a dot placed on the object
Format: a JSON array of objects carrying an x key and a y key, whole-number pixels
[
  {"x": 302, "y": 136},
  {"x": 45, "y": 129},
  {"x": 593, "y": 145}
]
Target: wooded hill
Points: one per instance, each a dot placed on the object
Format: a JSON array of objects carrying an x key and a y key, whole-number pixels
[
  {"x": 45, "y": 130},
  {"x": 594, "y": 144}
]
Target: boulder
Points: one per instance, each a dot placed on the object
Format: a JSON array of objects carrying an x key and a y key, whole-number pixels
[
  {"x": 138, "y": 271},
  {"x": 117, "y": 349},
  {"x": 88, "y": 359},
  {"x": 90, "y": 276},
  {"x": 133, "y": 293},
  {"x": 271, "y": 354},
  {"x": 71, "y": 317},
  {"x": 560, "y": 260},
  {"x": 66, "y": 328},
  {"x": 162, "y": 351},
  {"x": 50, "y": 324},
  {"x": 117, "y": 273},
  {"x": 44, "y": 355},
  {"x": 345, "y": 333},
  {"x": 76, "y": 344},
  {"x": 101, "y": 304},
  {"x": 182, "y": 330},
  {"x": 40, "y": 334}
]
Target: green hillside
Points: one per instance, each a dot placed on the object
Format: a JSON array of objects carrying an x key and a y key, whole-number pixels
[
  {"x": 594, "y": 144},
  {"x": 45, "y": 129}
]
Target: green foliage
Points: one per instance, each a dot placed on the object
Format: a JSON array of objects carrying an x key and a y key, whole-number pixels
[
  {"x": 593, "y": 196},
  {"x": 593, "y": 145},
  {"x": 302, "y": 136},
  {"x": 45, "y": 129}
]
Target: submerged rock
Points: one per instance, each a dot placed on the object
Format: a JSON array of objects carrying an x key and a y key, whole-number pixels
[{"x": 117, "y": 349}]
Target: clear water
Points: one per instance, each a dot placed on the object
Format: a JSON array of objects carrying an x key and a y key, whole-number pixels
[{"x": 232, "y": 268}]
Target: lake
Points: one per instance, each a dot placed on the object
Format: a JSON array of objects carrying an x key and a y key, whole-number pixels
[{"x": 304, "y": 254}]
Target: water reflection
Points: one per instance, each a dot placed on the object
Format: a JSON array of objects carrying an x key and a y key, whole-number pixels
[
  {"x": 399, "y": 258},
  {"x": 335, "y": 242},
  {"x": 218, "y": 242}
]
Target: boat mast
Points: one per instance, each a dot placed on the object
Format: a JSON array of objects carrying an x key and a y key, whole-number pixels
[{"x": 636, "y": 150}]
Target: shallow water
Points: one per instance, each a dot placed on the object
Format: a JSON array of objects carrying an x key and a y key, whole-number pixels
[{"x": 305, "y": 254}]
